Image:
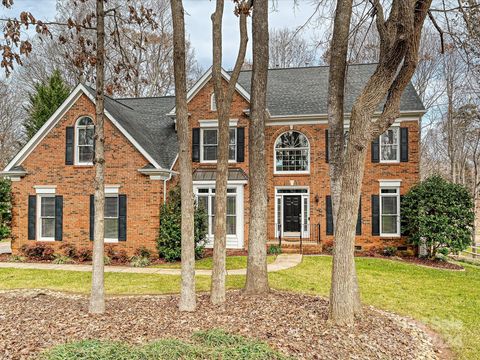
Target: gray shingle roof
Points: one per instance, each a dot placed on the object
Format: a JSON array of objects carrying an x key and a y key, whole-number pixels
[
  {"x": 304, "y": 91},
  {"x": 291, "y": 91}
]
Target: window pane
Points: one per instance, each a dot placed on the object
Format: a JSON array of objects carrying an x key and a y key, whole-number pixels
[
  {"x": 291, "y": 139},
  {"x": 210, "y": 137},
  {"x": 231, "y": 205},
  {"x": 210, "y": 152},
  {"x": 85, "y": 121},
  {"x": 389, "y": 152},
  {"x": 389, "y": 205},
  {"x": 85, "y": 154},
  {"x": 233, "y": 136},
  {"x": 202, "y": 191},
  {"x": 111, "y": 228},
  {"x": 203, "y": 203},
  {"x": 48, "y": 228},
  {"x": 389, "y": 191},
  {"x": 292, "y": 160},
  {"x": 111, "y": 207},
  {"x": 389, "y": 224},
  {"x": 89, "y": 136},
  {"x": 48, "y": 207},
  {"x": 232, "y": 152},
  {"x": 231, "y": 225}
]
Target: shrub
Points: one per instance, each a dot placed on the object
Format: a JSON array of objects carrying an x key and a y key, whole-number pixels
[
  {"x": 17, "y": 258},
  {"x": 274, "y": 250},
  {"x": 140, "y": 261},
  {"x": 38, "y": 251},
  {"x": 84, "y": 254},
  {"x": 389, "y": 251},
  {"x": 69, "y": 250},
  {"x": 107, "y": 260},
  {"x": 444, "y": 251},
  {"x": 118, "y": 255},
  {"x": 439, "y": 214},
  {"x": 62, "y": 259},
  {"x": 5, "y": 208},
  {"x": 169, "y": 238},
  {"x": 143, "y": 252}
]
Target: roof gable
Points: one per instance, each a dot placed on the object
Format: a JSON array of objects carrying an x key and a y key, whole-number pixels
[{"x": 59, "y": 113}]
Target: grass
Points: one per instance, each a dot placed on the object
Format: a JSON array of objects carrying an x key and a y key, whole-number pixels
[
  {"x": 233, "y": 263},
  {"x": 213, "y": 344},
  {"x": 448, "y": 301}
]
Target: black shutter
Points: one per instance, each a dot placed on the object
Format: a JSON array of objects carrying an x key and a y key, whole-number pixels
[
  {"x": 32, "y": 217},
  {"x": 240, "y": 144},
  {"x": 329, "y": 216},
  {"x": 58, "y": 218},
  {"x": 196, "y": 145},
  {"x": 122, "y": 217},
  {"x": 327, "y": 154},
  {"x": 375, "y": 215},
  {"x": 69, "y": 137},
  {"x": 376, "y": 150},
  {"x": 92, "y": 216},
  {"x": 404, "y": 144},
  {"x": 358, "y": 230}
]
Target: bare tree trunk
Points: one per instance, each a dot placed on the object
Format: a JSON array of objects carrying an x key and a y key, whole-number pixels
[
  {"x": 336, "y": 91},
  {"x": 257, "y": 276},
  {"x": 187, "y": 292},
  {"x": 399, "y": 41},
  {"x": 224, "y": 101},
  {"x": 97, "y": 297}
]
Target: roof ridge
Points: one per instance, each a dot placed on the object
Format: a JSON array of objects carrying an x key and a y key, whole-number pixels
[
  {"x": 144, "y": 97},
  {"x": 308, "y": 67}
]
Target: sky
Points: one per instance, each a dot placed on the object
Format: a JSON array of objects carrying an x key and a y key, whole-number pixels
[{"x": 198, "y": 23}]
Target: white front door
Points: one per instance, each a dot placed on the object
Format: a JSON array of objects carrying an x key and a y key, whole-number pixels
[{"x": 205, "y": 196}]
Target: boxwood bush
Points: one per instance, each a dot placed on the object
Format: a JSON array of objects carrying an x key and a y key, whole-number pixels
[
  {"x": 439, "y": 214},
  {"x": 170, "y": 236}
]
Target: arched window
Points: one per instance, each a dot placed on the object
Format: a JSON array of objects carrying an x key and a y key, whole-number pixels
[
  {"x": 292, "y": 152},
  {"x": 84, "y": 135}
]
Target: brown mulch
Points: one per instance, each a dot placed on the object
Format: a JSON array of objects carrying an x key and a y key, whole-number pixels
[
  {"x": 433, "y": 263},
  {"x": 295, "y": 324}
]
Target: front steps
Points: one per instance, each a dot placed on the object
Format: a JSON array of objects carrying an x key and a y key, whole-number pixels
[{"x": 297, "y": 247}]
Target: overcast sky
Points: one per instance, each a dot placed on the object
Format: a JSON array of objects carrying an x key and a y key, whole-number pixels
[{"x": 198, "y": 23}]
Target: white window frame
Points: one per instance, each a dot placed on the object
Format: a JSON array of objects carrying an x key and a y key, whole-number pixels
[
  {"x": 76, "y": 141},
  {"x": 390, "y": 186},
  {"x": 239, "y": 236},
  {"x": 394, "y": 127},
  {"x": 213, "y": 103},
  {"x": 202, "y": 160},
  {"x": 282, "y": 172},
  {"x": 279, "y": 209},
  {"x": 112, "y": 195},
  {"x": 40, "y": 217}
]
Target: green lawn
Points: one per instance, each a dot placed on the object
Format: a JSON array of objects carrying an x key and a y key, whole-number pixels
[
  {"x": 449, "y": 302},
  {"x": 233, "y": 263}
]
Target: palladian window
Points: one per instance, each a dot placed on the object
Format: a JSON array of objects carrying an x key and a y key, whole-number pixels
[{"x": 292, "y": 153}]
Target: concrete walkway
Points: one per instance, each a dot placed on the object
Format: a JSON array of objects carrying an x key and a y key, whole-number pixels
[{"x": 282, "y": 262}]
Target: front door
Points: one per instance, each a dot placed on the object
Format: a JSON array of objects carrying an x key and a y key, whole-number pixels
[{"x": 292, "y": 205}]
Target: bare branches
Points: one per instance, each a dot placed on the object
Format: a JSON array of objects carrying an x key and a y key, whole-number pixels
[{"x": 439, "y": 29}]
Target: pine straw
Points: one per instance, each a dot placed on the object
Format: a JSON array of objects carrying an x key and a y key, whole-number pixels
[{"x": 32, "y": 321}]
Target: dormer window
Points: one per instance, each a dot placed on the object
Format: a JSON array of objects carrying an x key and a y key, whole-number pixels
[
  {"x": 213, "y": 102},
  {"x": 84, "y": 146}
]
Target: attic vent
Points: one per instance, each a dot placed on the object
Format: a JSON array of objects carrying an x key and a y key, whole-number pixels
[
  {"x": 402, "y": 248},
  {"x": 358, "y": 248}
]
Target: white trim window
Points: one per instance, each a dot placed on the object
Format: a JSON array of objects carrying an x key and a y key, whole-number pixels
[
  {"x": 389, "y": 211},
  {"x": 390, "y": 145},
  {"x": 46, "y": 217},
  {"x": 213, "y": 102},
  {"x": 206, "y": 200},
  {"x": 111, "y": 217},
  {"x": 209, "y": 145},
  {"x": 292, "y": 153},
  {"x": 84, "y": 145}
]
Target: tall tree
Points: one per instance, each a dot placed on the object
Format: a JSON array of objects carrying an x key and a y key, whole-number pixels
[
  {"x": 46, "y": 99},
  {"x": 97, "y": 296},
  {"x": 223, "y": 97},
  {"x": 399, "y": 35},
  {"x": 11, "y": 134},
  {"x": 289, "y": 49},
  {"x": 187, "y": 291},
  {"x": 257, "y": 276}
]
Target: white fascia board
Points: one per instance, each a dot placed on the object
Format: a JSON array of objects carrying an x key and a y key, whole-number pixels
[
  {"x": 45, "y": 129},
  {"x": 203, "y": 81},
  {"x": 214, "y": 123},
  {"x": 390, "y": 182}
]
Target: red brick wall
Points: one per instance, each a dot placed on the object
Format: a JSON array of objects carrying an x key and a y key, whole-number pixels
[{"x": 46, "y": 166}]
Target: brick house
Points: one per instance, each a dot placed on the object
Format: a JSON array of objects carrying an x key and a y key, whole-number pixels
[{"x": 52, "y": 176}]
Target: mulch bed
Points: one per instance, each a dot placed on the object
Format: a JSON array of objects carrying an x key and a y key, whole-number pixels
[
  {"x": 295, "y": 324},
  {"x": 432, "y": 263}
]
